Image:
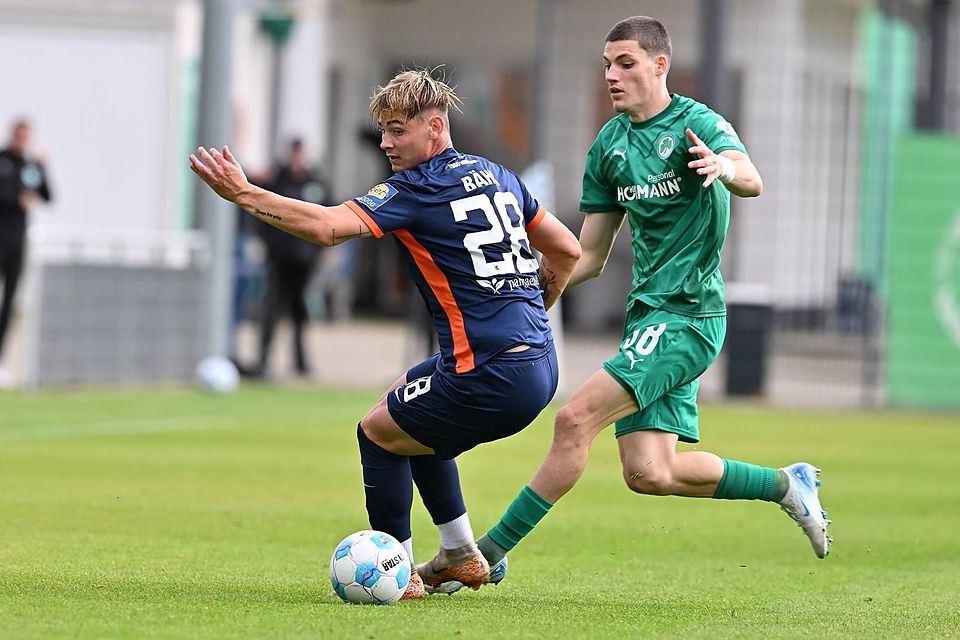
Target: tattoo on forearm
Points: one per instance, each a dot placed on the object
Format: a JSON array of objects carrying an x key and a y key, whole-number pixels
[
  {"x": 339, "y": 238},
  {"x": 266, "y": 214},
  {"x": 547, "y": 279}
]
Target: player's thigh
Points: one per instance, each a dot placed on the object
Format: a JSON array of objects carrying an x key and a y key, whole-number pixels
[
  {"x": 598, "y": 403},
  {"x": 662, "y": 351},
  {"x": 420, "y": 370},
  {"x": 647, "y": 451},
  {"x": 659, "y": 362},
  {"x": 674, "y": 412},
  {"x": 453, "y": 413},
  {"x": 379, "y": 424}
]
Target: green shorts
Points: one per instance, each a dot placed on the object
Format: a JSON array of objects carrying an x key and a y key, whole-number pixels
[{"x": 659, "y": 363}]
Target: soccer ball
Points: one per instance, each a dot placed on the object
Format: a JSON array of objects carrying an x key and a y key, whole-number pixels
[
  {"x": 369, "y": 567},
  {"x": 217, "y": 374}
]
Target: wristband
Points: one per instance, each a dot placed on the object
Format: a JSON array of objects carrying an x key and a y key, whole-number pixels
[{"x": 728, "y": 170}]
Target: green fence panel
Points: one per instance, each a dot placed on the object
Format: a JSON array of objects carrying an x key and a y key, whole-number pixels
[
  {"x": 889, "y": 50},
  {"x": 923, "y": 256}
]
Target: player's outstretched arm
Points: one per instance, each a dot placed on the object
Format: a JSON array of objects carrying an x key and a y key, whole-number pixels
[
  {"x": 597, "y": 234},
  {"x": 733, "y": 168},
  {"x": 326, "y": 226},
  {"x": 560, "y": 251}
]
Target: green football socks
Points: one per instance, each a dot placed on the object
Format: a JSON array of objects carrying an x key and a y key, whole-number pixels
[
  {"x": 743, "y": 481},
  {"x": 523, "y": 514},
  {"x": 493, "y": 552},
  {"x": 740, "y": 481}
]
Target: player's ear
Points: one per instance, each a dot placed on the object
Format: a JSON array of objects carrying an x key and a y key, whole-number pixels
[
  {"x": 437, "y": 125},
  {"x": 662, "y": 64}
]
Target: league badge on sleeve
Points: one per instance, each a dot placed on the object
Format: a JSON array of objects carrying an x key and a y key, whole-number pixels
[
  {"x": 726, "y": 127},
  {"x": 377, "y": 196},
  {"x": 729, "y": 134}
]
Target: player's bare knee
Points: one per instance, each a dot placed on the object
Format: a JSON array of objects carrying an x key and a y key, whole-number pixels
[
  {"x": 569, "y": 429},
  {"x": 649, "y": 480},
  {"x": 369, "y": 430},
  {"x": 378, "y": 435}
]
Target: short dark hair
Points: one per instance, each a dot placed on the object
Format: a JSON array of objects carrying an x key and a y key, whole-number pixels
[{"x": 649, "y": 33}]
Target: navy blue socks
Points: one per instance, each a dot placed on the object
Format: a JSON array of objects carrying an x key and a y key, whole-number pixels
[
  {"x": 388, "y": 485},
  {"x": 438, "y": 482}
]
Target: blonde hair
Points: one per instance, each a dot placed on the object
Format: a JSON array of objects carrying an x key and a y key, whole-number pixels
[{"x": 412, "y": 92}]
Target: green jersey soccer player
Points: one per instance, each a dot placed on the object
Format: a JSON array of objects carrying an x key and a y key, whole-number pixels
[
  {"x": 668, "y": 164},
  {"x": 675, "y": 312}
]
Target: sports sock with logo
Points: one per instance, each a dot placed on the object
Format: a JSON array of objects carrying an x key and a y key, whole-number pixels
[
  {"x": 523, "y": 514},
  {"x": 388, "y": 486},
  {"x": 744, "y": 481}
]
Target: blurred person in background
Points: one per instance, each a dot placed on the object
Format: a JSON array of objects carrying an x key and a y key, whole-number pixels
[
  {"x": 23, "y": 183},
  {"x": 668, "y": 164},
  {"x": 289, "y": 260},
  {"x": 468, "y": 229},
  {"x": 247, "y": 270}
]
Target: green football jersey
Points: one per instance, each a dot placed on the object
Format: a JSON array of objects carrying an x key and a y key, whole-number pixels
[{"x": 677, "y": 227}]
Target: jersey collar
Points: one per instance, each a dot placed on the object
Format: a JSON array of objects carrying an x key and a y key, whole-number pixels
[{"x": 674, "y": 99}]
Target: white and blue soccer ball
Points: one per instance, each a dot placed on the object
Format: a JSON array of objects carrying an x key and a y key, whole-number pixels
[
  {"x": 370, "y": 567},
  {"x": 217, "y": 374}
]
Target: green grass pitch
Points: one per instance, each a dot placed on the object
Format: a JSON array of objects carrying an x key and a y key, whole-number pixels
[{"x": 171, "y": 514}]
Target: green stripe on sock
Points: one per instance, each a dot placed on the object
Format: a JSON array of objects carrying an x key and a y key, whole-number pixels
[
  {"x": 743, "y": 481},
  {"x": 523, "y": 514}
]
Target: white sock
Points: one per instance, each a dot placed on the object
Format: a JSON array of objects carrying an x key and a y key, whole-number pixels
[
  {"x": 455, "y": 533},
  {"x": 408, "y": 547}
]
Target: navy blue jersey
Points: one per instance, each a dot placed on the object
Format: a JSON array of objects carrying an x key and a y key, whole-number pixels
[{"x": 461, "y": 224}]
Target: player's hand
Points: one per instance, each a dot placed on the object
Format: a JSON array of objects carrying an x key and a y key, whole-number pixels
[
  {"x": 221, "y": 171},
  {"x": 27, "y": 199},
  {"x": 708, "y": 164}
]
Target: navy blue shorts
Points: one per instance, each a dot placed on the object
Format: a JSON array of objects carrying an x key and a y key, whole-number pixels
[{"x": 452, "y": 413}]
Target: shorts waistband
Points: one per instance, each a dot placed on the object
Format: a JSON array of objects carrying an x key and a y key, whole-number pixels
[{"x": 527, "y": 355}]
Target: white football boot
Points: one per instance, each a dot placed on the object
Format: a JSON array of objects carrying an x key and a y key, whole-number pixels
[{"x": 803, "y": 505}]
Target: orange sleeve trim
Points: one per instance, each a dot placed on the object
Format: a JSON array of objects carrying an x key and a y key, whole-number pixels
[
  {"x": 537, "y": 219},
  {"x": 363, "y": 215},
  {"x": 462, "y": 352}
]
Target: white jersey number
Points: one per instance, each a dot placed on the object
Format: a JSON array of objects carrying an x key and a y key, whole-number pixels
[
  {"x": 642, "y": 344},
  {"x": 500, "y": 226},
  {"x": 413, "y": 389}
]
